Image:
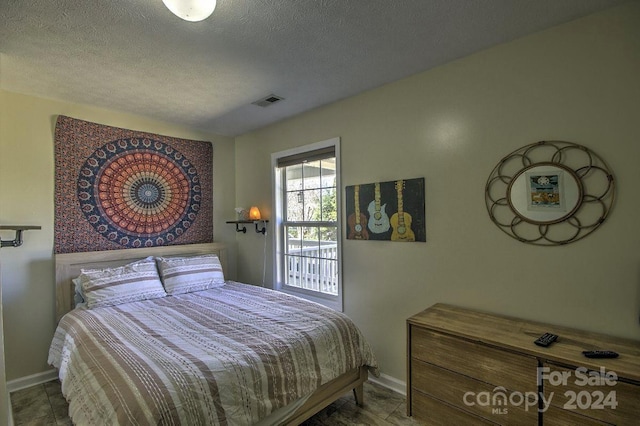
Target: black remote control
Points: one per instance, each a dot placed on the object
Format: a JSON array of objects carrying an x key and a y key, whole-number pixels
[
  {"x": 546, "y": 339},
  {"x": 600, "y": 354}
]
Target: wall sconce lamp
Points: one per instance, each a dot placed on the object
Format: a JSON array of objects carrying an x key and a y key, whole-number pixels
[
  {"x": 17, "y": 241},
  {"x": 254, "y": 215},
  {"x": 191, "y": 10}
]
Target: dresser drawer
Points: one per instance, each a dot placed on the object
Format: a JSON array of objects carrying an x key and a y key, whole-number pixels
[
  {"x": 494, "y": 366},
  {"x": 437, "y": 413},
  {"x": 574, "y": 394},
  {"x": 473, "y": 396}
]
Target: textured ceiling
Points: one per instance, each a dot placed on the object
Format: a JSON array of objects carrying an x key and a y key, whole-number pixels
[{"x": 135, "y": 56}]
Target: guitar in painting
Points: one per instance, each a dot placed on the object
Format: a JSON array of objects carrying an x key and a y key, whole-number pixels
[
  {"x": 378, "y": 218},
  {"x": 401, "y": 221},
  {"x": 357, "y": 221}
]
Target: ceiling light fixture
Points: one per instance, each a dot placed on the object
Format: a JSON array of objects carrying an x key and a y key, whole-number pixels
[{"x": 191, "y": 10}]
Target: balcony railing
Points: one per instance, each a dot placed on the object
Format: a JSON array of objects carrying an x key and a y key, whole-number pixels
[{"x": 313, "y": 268}]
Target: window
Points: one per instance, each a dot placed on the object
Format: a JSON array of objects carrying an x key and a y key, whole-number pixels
[{"x": 307, "y": 206}]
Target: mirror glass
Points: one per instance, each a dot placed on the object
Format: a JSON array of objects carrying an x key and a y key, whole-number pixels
[{"x": 545, "y": 193}]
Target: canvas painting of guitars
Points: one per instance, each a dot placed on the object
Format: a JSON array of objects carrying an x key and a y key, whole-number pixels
[
  {"x": 369, "y": 206},
  {"x": 401, "y": 221},
  {"x": 357, "y": 221},
  {"x": 378, "y": 218}
]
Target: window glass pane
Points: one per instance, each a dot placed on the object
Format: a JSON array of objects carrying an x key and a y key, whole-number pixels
[
  {"x": 295, "y": 203},
  {"x": 310, "y": 241},
  {"x": 311, "y": 273},
  {"x": 294, "y": 240},
  {"x": 328, "y": 243},
  {"x": 293, "y": 177},
  {"x": 292, "y": 275},
  {"x": 328, "y": 276},
  {"x": 329, "y": 205},
  {"x": 311, "y": 174},
  {"x": 302, "y": 272},
  {"x": 312, "y": 201},
  {"x": 328, "y": 172}
]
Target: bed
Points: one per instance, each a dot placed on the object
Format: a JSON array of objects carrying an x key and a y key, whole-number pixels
[{"x": 230, "y": 354}]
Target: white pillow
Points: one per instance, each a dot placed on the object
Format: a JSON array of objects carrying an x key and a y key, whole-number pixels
[
  {"x": 130, "y": 283},
  {"x": 78, "y": 296},
  {"x": 186, "y": 274}
]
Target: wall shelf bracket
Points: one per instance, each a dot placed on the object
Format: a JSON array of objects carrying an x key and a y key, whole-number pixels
[
  {"x": 264, "y": 226},
  {"x": 262, "y": 230},
  {"x": 17, "y": 241}
]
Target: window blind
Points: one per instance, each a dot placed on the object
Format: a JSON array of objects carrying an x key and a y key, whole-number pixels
[{"x": 303, "y": 157}]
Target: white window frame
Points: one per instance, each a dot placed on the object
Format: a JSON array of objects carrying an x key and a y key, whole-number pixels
[{"x": 333, "y": 301}]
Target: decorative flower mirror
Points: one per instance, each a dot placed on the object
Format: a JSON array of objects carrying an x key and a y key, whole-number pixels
[{"x": 550, "y": 193}]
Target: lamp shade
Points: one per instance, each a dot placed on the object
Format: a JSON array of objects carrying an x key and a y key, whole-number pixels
[
  {"x": 254, "y": 213},
  {"x": 191, "y": 10}
]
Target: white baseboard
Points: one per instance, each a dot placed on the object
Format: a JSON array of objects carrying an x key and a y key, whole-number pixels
[
  {"x": 391, "y": 383},
  {"x": 10, "y": 413},
  {"x": 34, "y": 379}
]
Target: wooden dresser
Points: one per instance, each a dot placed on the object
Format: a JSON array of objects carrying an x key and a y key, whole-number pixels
[{"x": 466, "y": 367}]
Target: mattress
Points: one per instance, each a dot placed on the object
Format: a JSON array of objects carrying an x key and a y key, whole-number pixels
[{"x": 231, "y": 355}]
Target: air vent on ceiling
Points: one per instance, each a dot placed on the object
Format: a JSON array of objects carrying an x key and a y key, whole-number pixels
[{"x": 269, "y": 100}]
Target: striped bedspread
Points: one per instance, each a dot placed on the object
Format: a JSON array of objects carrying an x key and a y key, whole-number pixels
[{"x": 229, "y": 355}]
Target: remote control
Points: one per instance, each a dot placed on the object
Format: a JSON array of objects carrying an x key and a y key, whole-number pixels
[
  {"x": 546, "y": 339},
  {"x": 600, "y": 354}
]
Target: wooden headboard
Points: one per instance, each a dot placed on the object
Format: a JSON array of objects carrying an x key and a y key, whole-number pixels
[{"x": 68, "y": 265}]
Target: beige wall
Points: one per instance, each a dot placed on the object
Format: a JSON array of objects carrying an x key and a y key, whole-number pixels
[
  {"x": 578, "y": 82},
  {"x": 26, "y": 197}
]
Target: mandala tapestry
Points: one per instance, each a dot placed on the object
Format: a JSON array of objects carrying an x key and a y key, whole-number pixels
[{"x": 118, "y": 188}]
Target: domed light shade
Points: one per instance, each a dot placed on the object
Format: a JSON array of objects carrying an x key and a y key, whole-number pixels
[{"x": 191, "y": 10}]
